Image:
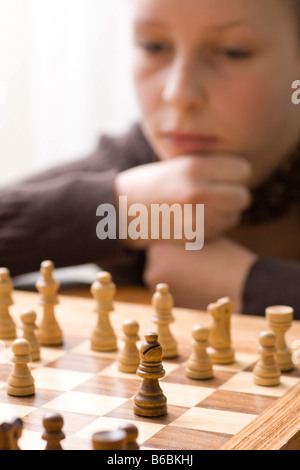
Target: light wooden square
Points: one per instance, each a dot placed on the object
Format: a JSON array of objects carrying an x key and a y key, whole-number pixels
[
  {"x": 145, "y": 430},
  {"x": 243, "y": 382},
  {"x": 58, "y": 379},
  {"x": 87, "y": 403},
  {"x": 185, "y": 395},
  {"x": 8, "y": 411},
  {"x": 31, "y": 440},
  {"x": 242, "y": 362},
  {"x": 84, "y": 348},
  {"x": 112, "y": 371},
  {"x": 206, "y": 419}
]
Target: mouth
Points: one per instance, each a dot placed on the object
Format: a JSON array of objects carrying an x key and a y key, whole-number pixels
[{"x": 189, "y": 141}]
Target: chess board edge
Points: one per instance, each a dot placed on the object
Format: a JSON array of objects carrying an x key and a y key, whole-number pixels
[{"x": 263, "y": 433}]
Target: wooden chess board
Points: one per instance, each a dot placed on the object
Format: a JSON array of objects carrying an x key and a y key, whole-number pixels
[{"x": 226, "y": 412}]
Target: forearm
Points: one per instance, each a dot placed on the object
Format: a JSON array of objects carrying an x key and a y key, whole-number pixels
[
  {"x": 55, "y": 221},
  {"x": 53, "y": 214},
  {"x": 121, "y": 153}
]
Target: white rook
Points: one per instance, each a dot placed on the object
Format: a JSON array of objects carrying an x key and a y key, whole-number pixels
[{"x": 280, "y": 318}]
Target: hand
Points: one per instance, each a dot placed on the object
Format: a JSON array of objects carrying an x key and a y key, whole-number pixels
[
  {"x": 218, "y": 182},
  {"x": 197, "y": 278}
]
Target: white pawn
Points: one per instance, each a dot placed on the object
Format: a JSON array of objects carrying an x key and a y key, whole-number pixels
[
  {"x": 199, "y": 365},
  {"x": 103, "y": 291},
  {"x": 280, "y": 319},
  {"x": 266, "y": 371},
  {"x": 129, "y": 358},
  {"x": 20, "y": 383},
  {"x": 163, "y": 302},
  {"x": 49, "y": 332},
  {"x": 28, "y": 318},
  {"x": 7, "y": 325}
]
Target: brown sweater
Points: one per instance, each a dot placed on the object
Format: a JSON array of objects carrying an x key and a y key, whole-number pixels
[{"x": 52, "y": 215}]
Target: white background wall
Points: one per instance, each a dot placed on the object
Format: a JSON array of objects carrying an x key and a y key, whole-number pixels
[{"x": 64, "y": 80}]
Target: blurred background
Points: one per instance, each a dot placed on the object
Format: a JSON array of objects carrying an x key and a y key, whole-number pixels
[{"x": 64, "y": 80}]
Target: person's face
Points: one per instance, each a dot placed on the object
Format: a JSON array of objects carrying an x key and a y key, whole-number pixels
[{"x": 215, "y": 76}]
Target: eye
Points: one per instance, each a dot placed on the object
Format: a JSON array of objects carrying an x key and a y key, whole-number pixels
[
  {"x": 234, "y": 53},
  {"x": 152, "y": 47}
]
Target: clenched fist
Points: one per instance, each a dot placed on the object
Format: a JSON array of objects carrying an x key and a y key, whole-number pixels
[{"x": 217, "y": 181}]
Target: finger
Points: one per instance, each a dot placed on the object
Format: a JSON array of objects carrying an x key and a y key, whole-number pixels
[
  {"x": 218, "y": 168},
  {"x": 228, "y": 198}
]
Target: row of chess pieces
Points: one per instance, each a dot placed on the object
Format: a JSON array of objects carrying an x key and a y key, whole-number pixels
[
  {"x": 123, "y": 438},
  {"x": 210, "y": 345},
  {"x": 48, "y": 332}
]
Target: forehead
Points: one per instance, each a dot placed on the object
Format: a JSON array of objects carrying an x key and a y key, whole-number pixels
[{"x": 260, "y": 14}]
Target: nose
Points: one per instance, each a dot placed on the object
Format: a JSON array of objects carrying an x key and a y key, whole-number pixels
[{"x": 184, "y": 85}]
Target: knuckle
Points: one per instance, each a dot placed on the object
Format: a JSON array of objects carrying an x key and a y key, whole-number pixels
[
  {"x": 237, "y": 198},
  {"x": 245, "y": 197},
  {"x": 192, "y": 165},
  {"x": 186, "y": 167},
  {"x": 245, "y": 170},
  {"x": 197, "y": 193}
]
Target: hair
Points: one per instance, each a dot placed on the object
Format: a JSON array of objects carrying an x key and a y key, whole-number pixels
[{"x": 296, "y": 5}]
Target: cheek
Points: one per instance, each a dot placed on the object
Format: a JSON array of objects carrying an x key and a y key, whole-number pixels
[
  {"x": 258, "y": 107},
  {"x": 147, "y": 87}
]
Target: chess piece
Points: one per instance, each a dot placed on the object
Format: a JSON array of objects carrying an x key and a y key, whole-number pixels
[
  {"x": 220, "y": 350},
  {"x": 132, "y": 435},
  {"x": 162, "y": 302},
  {"x": 49, "y": 332},
  {"x": 7, "y": 325},
  {"x": 10, "y": 433},
  {"x": 199, "y": 365},
  {"x": 109, "y": 440},
  {"x": 53, "y": 434},
  {"x": 28, "y": 318},
  {"x": 150, "y": 400},
  {"x": 20, "y": 383},
  {"x": 103, "y": 291},
  {"x": 129, "y": 358},
  {"x": 266, "y": 371},
  {"x": 280, "y": 319}
]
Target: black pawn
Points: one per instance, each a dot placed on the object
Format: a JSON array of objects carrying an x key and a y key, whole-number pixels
[
  {"x": 53, "y": 434},
  {"x": 150, "y": 400},
  {"x": 132, "y": 435}
]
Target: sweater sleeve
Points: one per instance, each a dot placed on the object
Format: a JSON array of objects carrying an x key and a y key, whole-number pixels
[
  {"x": 52, "y": 215},
  {"x": 272, "y": 282}
]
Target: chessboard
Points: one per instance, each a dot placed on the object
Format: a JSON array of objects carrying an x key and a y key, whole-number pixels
[{"x": 87, "y": 389}]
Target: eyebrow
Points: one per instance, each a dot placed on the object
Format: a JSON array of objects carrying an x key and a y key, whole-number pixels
[
  {"x": 229, "y": 25},
  {"x": 141, "y": 22}
]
